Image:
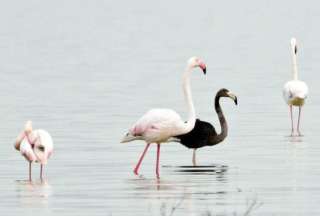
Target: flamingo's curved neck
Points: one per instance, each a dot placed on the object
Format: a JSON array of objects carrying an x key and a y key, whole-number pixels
[
  {"x": 29, "y": 140},
  {"x": 294, "y": 63},
  {"x": 189, "y": 125},
  {"x": 223, "y": 123}
]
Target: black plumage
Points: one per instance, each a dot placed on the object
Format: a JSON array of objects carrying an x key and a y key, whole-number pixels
[{"x": 199, "y": 135}]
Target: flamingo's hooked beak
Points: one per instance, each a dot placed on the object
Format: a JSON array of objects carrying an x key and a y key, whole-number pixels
[
  {"x": 294, "y": 45},
  {"x": 203, "y": 67},
  {"x": 233, "y": 97}
]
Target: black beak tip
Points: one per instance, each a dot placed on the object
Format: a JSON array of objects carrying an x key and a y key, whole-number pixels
[
  {"x": 204, "y": 71},
  {"x": 236, "y": 101}
]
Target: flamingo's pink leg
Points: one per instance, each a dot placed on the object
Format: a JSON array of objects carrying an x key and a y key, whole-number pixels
[
  {"x": 136, "y": 169},
  {"x": 158, "y": 157}
]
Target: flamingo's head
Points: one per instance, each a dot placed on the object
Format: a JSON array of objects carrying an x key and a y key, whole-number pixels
[
  {"x": 28, "y": 127},
  {"x": 294, "y": 45},
  {"x": 226, "y": 93},
  {"x": 197, "y": 62}
]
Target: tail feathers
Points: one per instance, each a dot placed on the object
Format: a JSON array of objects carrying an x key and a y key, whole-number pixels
[{"x": 129, "y": 137}]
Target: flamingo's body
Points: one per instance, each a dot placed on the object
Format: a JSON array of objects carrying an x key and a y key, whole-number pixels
[
  {"x": 295, "y": 91},
  {"x": 158, "y": 125},
  {"x": 35, "y": 146}
]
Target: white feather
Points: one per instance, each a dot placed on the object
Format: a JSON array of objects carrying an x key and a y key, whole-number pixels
[
  {"x": 160, "y": 125},
  {"x": 27, "y": 151},
  {"x": 41, "y": 137},
  {"x": 295, "y": 89}
]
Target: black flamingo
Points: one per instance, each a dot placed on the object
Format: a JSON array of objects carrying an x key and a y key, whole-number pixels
[{"x": 203, "y": 133}]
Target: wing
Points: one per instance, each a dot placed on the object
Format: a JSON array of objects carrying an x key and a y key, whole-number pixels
[
  {"x": 157, "y": 125},
  {"x": 198, "y": 136},
  {"x": 295, "y": 88},
  {"x": 27, "y": 151},
  {"x": 43, "y": 139},
  {"x": 157, "y": 118}
]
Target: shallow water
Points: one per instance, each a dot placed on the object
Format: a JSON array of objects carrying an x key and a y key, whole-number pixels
[{"x": 86, "y": 70}]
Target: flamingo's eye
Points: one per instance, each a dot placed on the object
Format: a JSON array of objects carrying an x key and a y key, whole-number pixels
[{"x": 41, "y": 148}]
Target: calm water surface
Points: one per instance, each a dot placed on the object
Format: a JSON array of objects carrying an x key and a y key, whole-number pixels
[{"x": 86, "y": 70}]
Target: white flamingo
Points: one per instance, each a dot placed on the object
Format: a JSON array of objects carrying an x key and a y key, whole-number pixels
[
  {"x": 158, "y": 125},
  {"x": 295, "y": 91},
  {"x": 35, "y": 146}
]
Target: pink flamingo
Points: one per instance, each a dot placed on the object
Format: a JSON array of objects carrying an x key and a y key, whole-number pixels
[
  {"x": 158, "y": 125},
  {"x": 35, "y": 146}
]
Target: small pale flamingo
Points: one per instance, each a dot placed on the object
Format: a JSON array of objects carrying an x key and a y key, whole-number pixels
[
  {"x": 295, "y": 91},
  {"x": 158, "y": 125},
  {"x": 35, "y": 146}
]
